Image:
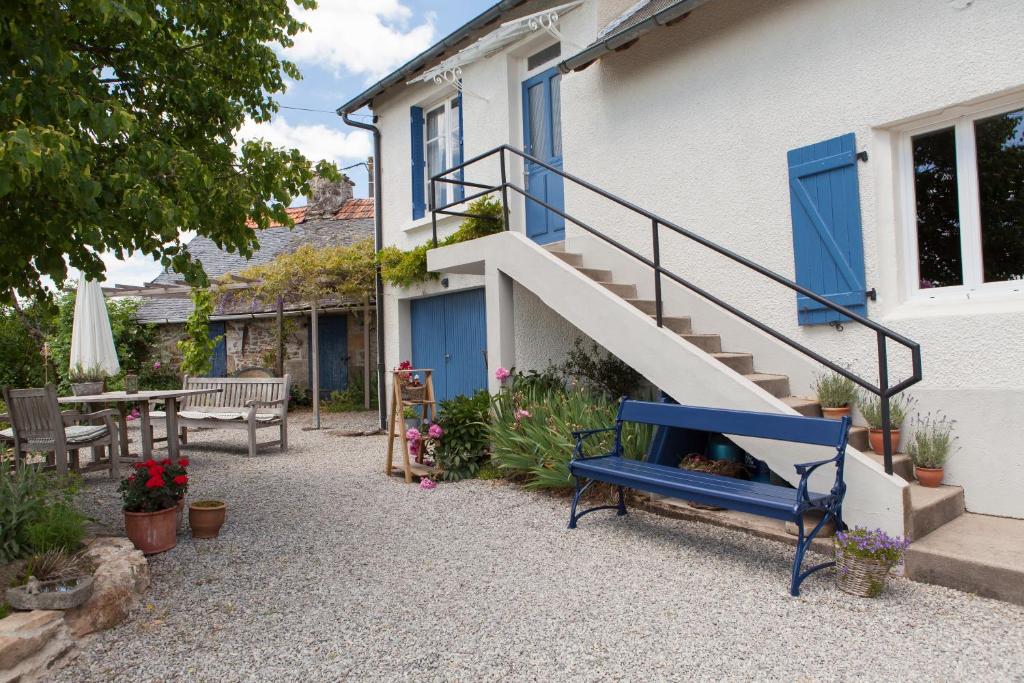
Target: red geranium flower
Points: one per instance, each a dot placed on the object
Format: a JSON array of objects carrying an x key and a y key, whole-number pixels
[
  {"x": 183, "y": 462},
  {"x": 165, "y": 461},
  {"x": 181, "y": 480},
  {"x": 139, "y": 465},
  {"x": 149, "y": 463},
  {"x": 156, "y": 471},
  {"x": 155, "y": 482}
]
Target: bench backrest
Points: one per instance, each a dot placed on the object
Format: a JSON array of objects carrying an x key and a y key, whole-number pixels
[
  {"x": 235, "y": 392},
  {"x": 795, "y": 428}
]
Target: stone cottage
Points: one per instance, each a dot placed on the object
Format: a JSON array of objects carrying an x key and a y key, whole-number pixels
[{"x": 333, "y": 217}]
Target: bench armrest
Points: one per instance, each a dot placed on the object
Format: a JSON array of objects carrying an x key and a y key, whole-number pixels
[
  {"x": 807, "y": 468},
  {"x": 583, "y": 435},
  {"x": 265, "y": 404}
]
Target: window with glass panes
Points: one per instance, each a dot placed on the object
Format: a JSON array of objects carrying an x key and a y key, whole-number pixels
[
  {"x": 443, "y": 144},
  {"x": 968, "y": 201}
]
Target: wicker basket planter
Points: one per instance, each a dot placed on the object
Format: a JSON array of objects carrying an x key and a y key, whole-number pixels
[
  {"x": 859, "y": 575},
  {"x": 414, "y": 394}
]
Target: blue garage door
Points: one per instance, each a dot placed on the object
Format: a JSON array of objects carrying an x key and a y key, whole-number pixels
[{"x": 449, "y": 336}]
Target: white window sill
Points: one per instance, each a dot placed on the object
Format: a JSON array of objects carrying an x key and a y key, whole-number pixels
[
  {"x": 963, "y": 303},
  {"x": 442, "y": 219}
]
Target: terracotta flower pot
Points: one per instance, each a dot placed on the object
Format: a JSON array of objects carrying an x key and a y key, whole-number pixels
[
  {"x": 876, "y": 441},
  {"x": 205, "y": 517},
  {"x": 835, "y": 413},
  {"x": 929, "y": 476},
  {"x": 152, "y": 532}
]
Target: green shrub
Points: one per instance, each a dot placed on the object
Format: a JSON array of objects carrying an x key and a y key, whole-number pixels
[
  {"x": 488, "y": 471},
  {"x": 466, "y": 424},
  {"x": 403, "y": 268},
  {"x": 36, "y": 512},
  {"x": 834, "y": 390},
  {"x": 871, "y": 408},
  {"x": 59, "y": 526},
  {"x": 352, "y": 398},
  {"x": 601, "y": 371},
  {"x": 532, "y": 432},
  {"x": 23, "y": 495}
]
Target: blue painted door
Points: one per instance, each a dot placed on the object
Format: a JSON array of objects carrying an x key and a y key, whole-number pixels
[
  {"x": 449, "y": 336},
  {"x": 333, "y": 353},
  {"x": 220, "y": 351},
  {"x": 828, "y": 247},
  {"x": 542, "y": 138}
]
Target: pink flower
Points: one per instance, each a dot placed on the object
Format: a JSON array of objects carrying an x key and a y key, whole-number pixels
[
  {"x": 520, "y": 414},
  {"x": 426, "y": 483},
  {"x": 414, "y": 448},
  {"x": 502, "y": 374},
  {"x": 156, "y": 365},
  {"x": 413, "y": 435},
  {"x": 435, "y": 431}
]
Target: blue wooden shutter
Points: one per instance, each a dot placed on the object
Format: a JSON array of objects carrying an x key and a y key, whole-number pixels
[
  {"x": 827, "y": 243},
  {"x": 460, "y": 190},
  {"x": 218, "y": 330},
  {"x": 419, "y": 193}
]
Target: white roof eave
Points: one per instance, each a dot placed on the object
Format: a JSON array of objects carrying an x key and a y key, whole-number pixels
[{"x": 508, "y": 33}]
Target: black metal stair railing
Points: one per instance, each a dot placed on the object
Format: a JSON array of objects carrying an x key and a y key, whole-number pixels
[{"x": 883, "y": 389}]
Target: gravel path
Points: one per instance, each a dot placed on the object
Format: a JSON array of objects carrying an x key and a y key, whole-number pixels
[{"x": 327, "y": 570}]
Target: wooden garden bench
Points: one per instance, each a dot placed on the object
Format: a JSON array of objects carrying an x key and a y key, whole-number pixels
[
  {"x": 778, "y": 502},
  {"x": 249, "y": 403}
]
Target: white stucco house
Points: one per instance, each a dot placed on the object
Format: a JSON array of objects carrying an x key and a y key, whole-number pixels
[{"x": 872, "y": 151}]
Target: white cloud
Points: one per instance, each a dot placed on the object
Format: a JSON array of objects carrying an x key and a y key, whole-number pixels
[
  {"x": 369, "y": 37},
  {"x": 317, "y": 142}
]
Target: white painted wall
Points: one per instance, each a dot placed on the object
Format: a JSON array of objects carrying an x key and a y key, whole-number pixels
[{"x": 694, "y": 122}]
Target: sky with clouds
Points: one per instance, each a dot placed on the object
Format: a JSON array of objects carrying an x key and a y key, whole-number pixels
[{"x": 350, "y": 45}]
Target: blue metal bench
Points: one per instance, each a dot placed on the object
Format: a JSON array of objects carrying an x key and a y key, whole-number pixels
[{"x": 767, "y": 500}]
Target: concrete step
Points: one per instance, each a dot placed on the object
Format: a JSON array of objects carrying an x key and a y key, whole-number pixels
[
  {"x": 575, "y": 260},
  {"x": 859, "y": 439},
  {"x": 742, "y": 363},
  {"x": 681, "y": 325},
  {"x": 708, "y": 343},
  {"x": 930, "y": 508},
  {"x": 555, "y": 246},
  {"x": 975, "y": 553},
  {"x": 808, "y": 407},
  {"x": 648, "y": 306},
  {"x": 902, "y": 466},
  {"x": 776, "y": 385},
  {"x": 625, "y": 291},
  {"x": 597, "y": 274}
]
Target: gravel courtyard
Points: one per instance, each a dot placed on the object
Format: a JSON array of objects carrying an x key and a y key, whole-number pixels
[{"x": 327, "y": 570}]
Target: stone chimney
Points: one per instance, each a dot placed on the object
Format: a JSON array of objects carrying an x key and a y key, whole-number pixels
[{"x": 327, "y": 197}]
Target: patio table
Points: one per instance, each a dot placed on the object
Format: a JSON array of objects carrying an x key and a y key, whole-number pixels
[{"x": 123, "y": 400}]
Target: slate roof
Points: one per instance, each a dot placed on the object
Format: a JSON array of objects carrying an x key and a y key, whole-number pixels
[{"x": 352, "y": 223}]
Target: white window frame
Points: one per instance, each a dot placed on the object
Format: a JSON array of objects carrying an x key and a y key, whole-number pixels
[
  {"x": 450, "y": 120},
  {"x": 961, "y": 119}
]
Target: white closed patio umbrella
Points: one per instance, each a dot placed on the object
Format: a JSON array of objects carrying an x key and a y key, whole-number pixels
[{"x": 92, "y": 342}]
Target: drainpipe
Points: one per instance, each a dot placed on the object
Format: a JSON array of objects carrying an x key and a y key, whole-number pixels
[{"x": 378, "y": 243}]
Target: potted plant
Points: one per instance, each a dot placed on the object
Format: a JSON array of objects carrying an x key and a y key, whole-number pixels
[
  {"x": 87, "y": 381},
  {"x": 150, "y": 507},
  {"x": 205, "y": 517},
  {"x": 930, "y": 447},
  {"x": 177, "y": 475},
  {"x": 864, "y": 559},
  {"x": 871, "y": 408},
  {"x": 836, "y": 394},
  {"x": 412, "y": 387}
]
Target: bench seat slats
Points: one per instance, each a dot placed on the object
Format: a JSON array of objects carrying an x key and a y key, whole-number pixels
[{"x": 682, "y": 483}]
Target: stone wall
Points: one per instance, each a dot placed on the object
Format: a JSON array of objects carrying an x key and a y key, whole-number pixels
[{"x": 253, "y": 343}]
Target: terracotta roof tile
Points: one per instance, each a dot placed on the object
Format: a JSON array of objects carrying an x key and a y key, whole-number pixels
[{"x": 355, "y": 208}]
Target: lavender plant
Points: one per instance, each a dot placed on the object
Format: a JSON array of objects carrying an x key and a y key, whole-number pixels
[
  {"x": 872, "y": 545},
  {"x": 933, "y": 441}
]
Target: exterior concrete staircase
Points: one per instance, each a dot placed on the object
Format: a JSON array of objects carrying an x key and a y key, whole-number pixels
[{"x": 929, "y": 509}]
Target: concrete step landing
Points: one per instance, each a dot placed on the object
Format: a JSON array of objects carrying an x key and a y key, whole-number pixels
[{"x": 974, "y": 553}]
